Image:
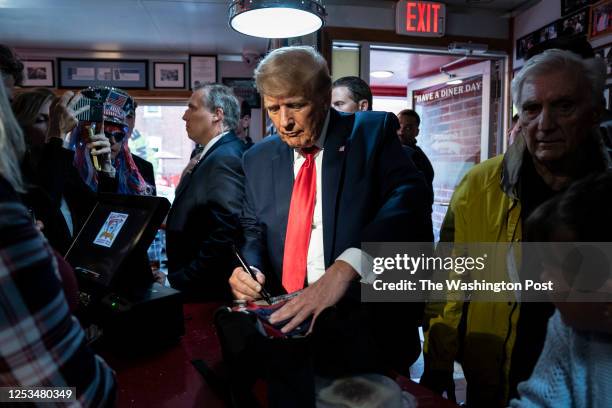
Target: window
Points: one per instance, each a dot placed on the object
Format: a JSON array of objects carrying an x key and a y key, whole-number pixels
[
  {"x": 389, "y": 103},
  {"x": 160, "y": 137}
]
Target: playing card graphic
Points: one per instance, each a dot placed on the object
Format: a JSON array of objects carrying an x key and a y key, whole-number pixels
[{"x": 110, "y": 229}]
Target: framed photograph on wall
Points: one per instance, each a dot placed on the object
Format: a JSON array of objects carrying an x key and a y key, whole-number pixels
[
  {"x": 601, "y": 19},
  {"x": 576, "y": 24},
  {"x": 544, "y": 34},
  {"x": 202, "y": 69},
  {"x": 81, "y": 73},
  {"x": 244, "y": 89},
  {"x": 38, "y": 73},
  {"x": 523, "y": 45},
  {"x": 169, "y": 75},
  {"x": 569, "y": 6},
  {"x": 605, "y": 53}
]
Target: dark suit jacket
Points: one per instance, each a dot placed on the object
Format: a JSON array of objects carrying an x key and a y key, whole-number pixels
[
  {"x": 146, "y": 171},
  {"x": 371, "y": 193},
  {"x": 204, "y": 222},
  {"x": 421, "y": 161}
]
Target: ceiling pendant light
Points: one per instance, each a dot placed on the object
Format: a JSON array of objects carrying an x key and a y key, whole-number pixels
[
  {"x": 276, "y": 18},
  {"x": 381, "y": 74}
]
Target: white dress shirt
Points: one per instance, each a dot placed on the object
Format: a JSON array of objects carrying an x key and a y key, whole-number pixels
[
  {"x": 211, "y": 143},
  {"x": 315, "y": 261},
  {"x": 65, "y": 210}
]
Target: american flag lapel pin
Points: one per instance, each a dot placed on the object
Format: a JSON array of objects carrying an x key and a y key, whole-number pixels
[{"x": 341, "y": 149}]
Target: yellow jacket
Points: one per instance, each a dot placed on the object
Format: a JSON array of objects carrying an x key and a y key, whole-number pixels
[{"x": 485, "y": 208}]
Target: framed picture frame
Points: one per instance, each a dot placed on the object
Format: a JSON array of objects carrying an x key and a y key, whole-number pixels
[
  {"x": 38, "y": 73},
  {"x": 523, "y": 45},
  {"x": 600, "y": 19},
  {"x": 202, "y": 70},
  {"x": 169, "y": 75},
  {"x": 125, "y": 74},
  {"x": 569, "y": 6},
  {"x": 548, "y": 32},
  {"x": 605, "y": 53},
  {"x": 575, "y": 24},
  {"x": 245, "y": 90}
]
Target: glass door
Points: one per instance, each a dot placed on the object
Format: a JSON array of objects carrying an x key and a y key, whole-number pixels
[{"x": 456, "y": 121}]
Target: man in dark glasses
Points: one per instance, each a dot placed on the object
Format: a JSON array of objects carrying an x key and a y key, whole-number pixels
[{"x": 108, "y": 109}]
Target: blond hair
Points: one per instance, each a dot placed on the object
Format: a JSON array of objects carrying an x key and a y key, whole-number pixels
[
  {"x": 294, "y": 71},
  {"x": 26, "y": 105}
]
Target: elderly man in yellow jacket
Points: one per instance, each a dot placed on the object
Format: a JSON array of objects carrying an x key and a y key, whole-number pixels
[{"x": 558, "y": 96}]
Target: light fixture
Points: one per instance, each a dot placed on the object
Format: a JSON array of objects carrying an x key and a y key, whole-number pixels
[
  {"x": 276, "y": 18},
  {"x": 452, "y": 79},
  {"x": 381, "y": 74}
]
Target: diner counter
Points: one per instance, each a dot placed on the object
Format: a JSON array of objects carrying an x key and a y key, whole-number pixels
[{"x": 167, "y": 378}]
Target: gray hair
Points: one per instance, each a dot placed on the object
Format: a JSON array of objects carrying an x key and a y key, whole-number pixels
[
  {"x": 12, "y": 144},
  {"x": 591, "y": 70},
  {"x": 220, "y": 96}
]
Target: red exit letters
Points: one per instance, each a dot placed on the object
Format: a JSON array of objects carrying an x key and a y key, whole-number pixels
[{"x": 424, "y": 18}]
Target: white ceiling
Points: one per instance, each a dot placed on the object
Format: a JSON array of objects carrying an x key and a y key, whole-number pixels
[
  {"x": 188, "y": 26},
  {"x": 193, "y": 26},
  {"x": 405, "y": 66}
]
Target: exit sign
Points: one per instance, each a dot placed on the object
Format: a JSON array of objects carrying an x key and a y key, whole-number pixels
[{"x": 420, "y": 18}]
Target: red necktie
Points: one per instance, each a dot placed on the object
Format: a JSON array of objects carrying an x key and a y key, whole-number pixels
[{"x": 299, "y": 224}]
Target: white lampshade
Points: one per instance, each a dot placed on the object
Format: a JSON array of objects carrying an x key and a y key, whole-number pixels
[{"x": 276, "y": 18}]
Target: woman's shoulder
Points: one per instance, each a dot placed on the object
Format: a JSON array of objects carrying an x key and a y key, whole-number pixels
[{"x": 7, "y": 192}]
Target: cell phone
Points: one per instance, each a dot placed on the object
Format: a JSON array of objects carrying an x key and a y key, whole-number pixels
[
  {"x": 95, "y": 113},
  {"x": 264, "y": 313}
]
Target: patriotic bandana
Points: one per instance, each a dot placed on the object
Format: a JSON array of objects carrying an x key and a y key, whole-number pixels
[{"x": 108, "y": 104}]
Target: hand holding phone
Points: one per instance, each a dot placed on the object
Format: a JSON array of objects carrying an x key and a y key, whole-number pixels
[
  {"x": 99, "y": 146},
  {"x": 64, "y": 113}
]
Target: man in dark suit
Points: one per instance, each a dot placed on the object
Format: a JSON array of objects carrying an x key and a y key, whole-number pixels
[
  {"x": 204, "y": 218},
  {"x": 409, "y": 130},
  {"x": 359, "y": 188}
]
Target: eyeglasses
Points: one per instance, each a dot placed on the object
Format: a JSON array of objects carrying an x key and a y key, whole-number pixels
[{"x": 116, "y": 132}]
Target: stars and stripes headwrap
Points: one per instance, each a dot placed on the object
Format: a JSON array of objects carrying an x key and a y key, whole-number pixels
[
  {"x": 111, "y": 105},
  {"x": 106, "y": 103},
  {"x": 129, "y": 179}
]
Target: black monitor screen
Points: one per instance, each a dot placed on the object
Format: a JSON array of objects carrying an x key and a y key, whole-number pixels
[{"x": 118, "y": 225}]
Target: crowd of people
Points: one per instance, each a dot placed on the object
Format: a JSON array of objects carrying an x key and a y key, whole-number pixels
[{"x": 298, "y": 205}]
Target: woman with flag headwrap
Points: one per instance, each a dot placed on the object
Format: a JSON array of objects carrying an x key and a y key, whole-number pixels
[
  {"x": 108, "y": 108},
  {"x": 56, "y": 194}
]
